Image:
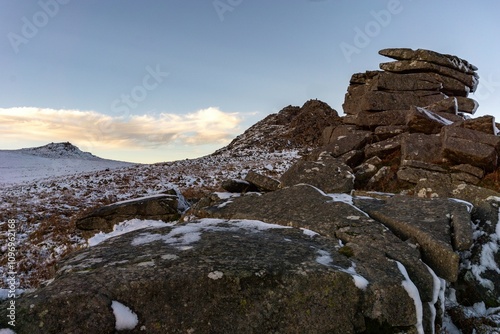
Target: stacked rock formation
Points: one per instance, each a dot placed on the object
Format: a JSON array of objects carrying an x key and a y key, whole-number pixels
[{"x": 417, "y": 106}]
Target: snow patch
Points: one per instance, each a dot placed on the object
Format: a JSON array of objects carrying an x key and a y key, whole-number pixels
[
  {"x": 487, "y": 258},
  {"x": 125, "y": 317},
  {"x": 215, "y": 275},
  {"x": 125, "y": 227},
  {"x": 469, "y": 205},
  {"x": 412, "y": 291},
  {"x": 324, "y": 258},
  {"x": 6, "y": 331},
  {"x": 183, "y": 236},
  {"x": 309, "y": 233},
  {"x": 434, "y": 116}
]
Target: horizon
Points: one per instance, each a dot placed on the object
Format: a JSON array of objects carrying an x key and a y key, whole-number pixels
[{"x": 170, "y": 81}]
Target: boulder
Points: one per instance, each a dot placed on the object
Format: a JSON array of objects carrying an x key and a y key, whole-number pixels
[
  {"x": 448, "y": 105},
  {"x": 421, "y": 147},
  {"x": 484, "y": 124},
  {"x": 340, "y": 132},
  {"x": 403, "y": 215},
  {"x": 368, "y": 243},
  {"x": 167, "y": 207},
  {"x": 446, "y": 60},
  {"x": 262, "y": 182},
  {"x": 467, "y": 105},
  {"x": 198, "y": 278},
  {"x": 366, "y": 170},
  {"x": 405, "y": 66},
  {"x": 404, "y": 82},
  {"x": 372, "y": 120},
  {"x": 327, "y": 173},
  {"x": 238, "y": 186},
  {"x": 340, "y": 145},
  {"x": 383, "y": 148},
  {"x": 414, "y": 170},
  {"x": 387, "y": 131},
  {"x": 424, "y": 121},
  {"x": 394, "y": 100},
  {"x": 465, "y": 146}
]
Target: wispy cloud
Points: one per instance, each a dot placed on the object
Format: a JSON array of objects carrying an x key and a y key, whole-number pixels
[{"x": 206, "y": 126}]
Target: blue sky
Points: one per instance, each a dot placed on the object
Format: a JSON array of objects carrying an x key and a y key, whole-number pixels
[{"x": 151, "y": 81}]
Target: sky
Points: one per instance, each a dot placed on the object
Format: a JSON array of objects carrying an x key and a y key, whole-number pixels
[{"x": 151, "y": 81}]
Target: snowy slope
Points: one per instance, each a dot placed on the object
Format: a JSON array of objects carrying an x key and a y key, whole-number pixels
[{"x": 52, "y": 160}]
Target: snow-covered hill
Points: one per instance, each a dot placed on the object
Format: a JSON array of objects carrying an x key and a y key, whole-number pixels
[{"x": 52, "y": 160}]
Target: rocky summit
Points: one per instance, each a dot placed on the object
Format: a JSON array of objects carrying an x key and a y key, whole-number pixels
[{"x": 388, "y": 223}]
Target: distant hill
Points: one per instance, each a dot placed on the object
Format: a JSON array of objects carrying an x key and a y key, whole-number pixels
[{"x": 51, "y": 160}]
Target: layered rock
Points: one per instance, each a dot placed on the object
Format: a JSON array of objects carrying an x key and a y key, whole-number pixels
[{"x": 416, "y": 79}]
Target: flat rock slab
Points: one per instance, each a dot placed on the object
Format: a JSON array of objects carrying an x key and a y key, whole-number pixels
[
  {"x": 218, "y": 276},
  {"x": 406, "y": 66},
  {"x": 367, "y": 241},
  {"x": 430, "y": 56},
  {"x": 430, "y": 222},
  {"x": 262, "y": 182},
  {"x": 166, "y": 207}
]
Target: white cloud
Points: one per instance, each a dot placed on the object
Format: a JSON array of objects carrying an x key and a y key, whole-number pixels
[{"x": 90, "y": 128}]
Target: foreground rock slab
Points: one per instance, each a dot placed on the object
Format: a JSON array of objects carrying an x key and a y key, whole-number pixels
[{"x": 283, "y": 280}]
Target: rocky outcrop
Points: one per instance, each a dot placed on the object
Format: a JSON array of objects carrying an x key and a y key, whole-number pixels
[{"x": 291, "y": 128}]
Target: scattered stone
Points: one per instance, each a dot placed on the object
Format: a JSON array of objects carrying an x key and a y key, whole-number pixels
[
  {"x": 262, "y": 182},
  {"x": 471, "y": 170},
  {"x": 387, "y": 131},
  {"x": 238, "y": 186},
  {"x": 383, "y": 148}
]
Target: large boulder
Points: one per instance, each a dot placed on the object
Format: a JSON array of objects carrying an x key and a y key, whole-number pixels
[
  {"x": 430, "y": 222},
  {"x": 167, "y": 207},
  {"x": 446, "y": 60},
  {"x": 198, "y": 277},
  {"x": 326, "y": 173},
  {"x": 367, "y": 242}
]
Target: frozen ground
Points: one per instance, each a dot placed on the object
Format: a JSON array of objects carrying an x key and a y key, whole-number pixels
[{"x": 45, "y": 207}]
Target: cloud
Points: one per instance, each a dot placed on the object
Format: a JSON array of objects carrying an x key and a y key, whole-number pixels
[{"x": 206, "y": 126}]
